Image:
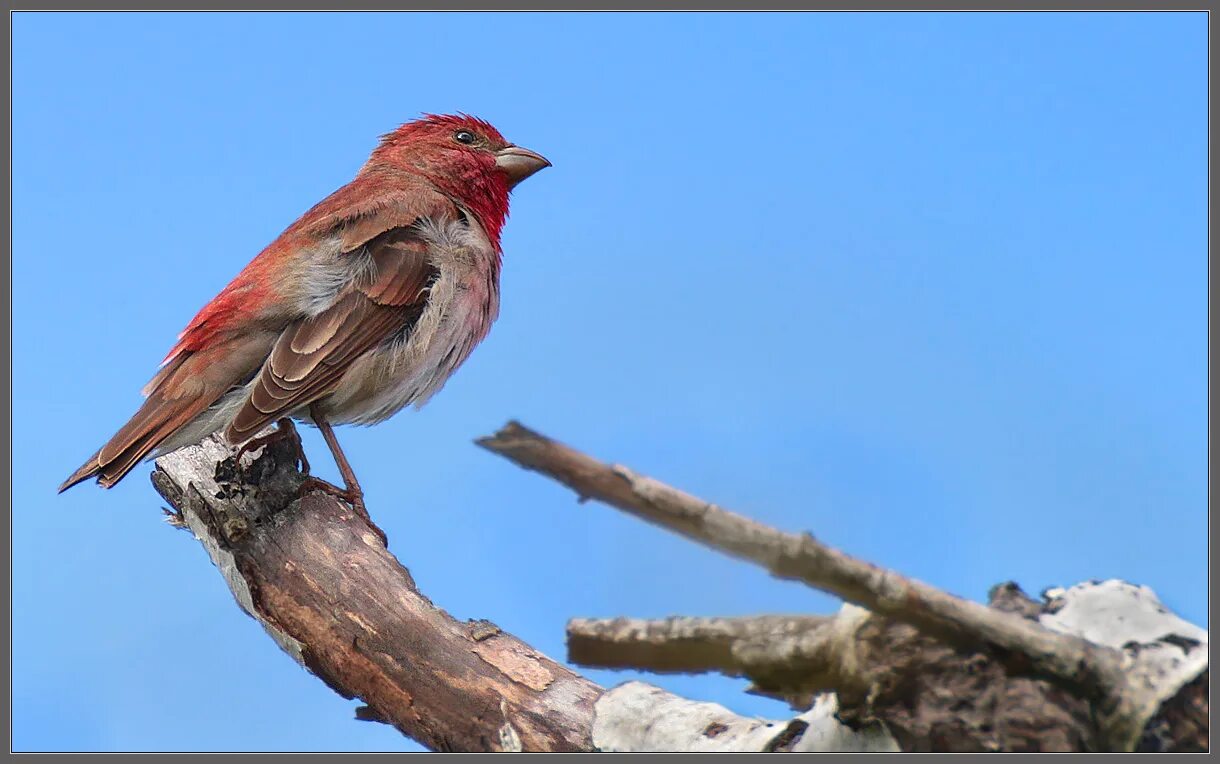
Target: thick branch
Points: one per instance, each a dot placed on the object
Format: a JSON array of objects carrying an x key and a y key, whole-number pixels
[
  {"x": 1093, "y": 672},
  {"x": 881, "y": 669},
  {"x": 319, "y": 580},
  {"x": 928, "y": 696}
]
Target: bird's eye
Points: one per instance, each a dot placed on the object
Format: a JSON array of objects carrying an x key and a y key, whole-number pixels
[{"x": 464, "y": 136}]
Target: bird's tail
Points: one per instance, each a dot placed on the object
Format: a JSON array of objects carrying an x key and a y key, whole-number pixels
[
  {"x": 165, "y": 411},
  {"x": 87, "y": 470},
  {"x": 153, "y": 423}
]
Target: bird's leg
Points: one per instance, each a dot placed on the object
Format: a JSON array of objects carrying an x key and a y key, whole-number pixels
[
  {"x": 284, "y": 429},
  {"x": 352, "y": 492}
]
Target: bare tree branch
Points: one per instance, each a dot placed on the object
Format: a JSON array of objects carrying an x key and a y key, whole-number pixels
[
  {"x": 1094, "y": 672},
  {"x": 318, "y": 579},
  {"x": 679, "y": 644},
  {"x": 879, "y": 670},
  {"x": 315, "y": 575}
]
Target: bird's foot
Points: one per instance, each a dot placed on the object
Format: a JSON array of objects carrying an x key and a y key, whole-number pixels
[
  {"x": 284, "y": 430},
  {"x": 353, "y": 497}
]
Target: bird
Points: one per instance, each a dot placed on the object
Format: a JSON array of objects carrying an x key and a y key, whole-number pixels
[{"x": 364, "y": 305}]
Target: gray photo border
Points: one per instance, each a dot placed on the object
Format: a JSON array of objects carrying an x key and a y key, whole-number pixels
[{"x": 30, "y": 6}]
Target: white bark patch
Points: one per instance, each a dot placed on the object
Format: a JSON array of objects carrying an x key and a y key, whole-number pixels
[
  {"x": 185, "y": 462},
  {"x": 636, "y": 717},
  {"x": 1162, "y": 652}
]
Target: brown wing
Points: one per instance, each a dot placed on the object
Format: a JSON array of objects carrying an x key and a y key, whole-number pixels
[
  {"x": 229, "y": 341},
  {"x": 181, "y": 391},
  {"x": 312, "y": 354}
]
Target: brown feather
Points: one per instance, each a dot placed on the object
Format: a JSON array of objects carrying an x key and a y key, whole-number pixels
[
  {"x": 144, "y": 441},
  {"x": 83, "y": 473},
  {"x": 167, "y": 369},
  {"x": 150, "y": 425},
  {"x": 178, "y": 393},
  {"x": 312, "y": 355},
  {"x": 229, "y": 341}
]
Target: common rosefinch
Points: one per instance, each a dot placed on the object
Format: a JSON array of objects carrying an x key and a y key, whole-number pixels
[{"x": 364, "y": 305}]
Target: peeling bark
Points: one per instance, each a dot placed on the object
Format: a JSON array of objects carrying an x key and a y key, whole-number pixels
[
  {"x": 1123, "y": 682},
  {"x": 920, "y": 670},
  {"x": 316, "y": 576},
  {"x": 637, "y": 717}
]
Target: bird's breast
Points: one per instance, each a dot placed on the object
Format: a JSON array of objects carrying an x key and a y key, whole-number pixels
[{"x": 462, "y": 304}]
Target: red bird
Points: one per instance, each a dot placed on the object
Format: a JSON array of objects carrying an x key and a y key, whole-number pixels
[{"x": 365, "y": 304}]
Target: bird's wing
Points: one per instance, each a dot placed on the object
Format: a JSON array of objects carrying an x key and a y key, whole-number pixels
[
  {"x": 312, "y": 354},
  {"x": 370, "y": 205},
  {"x": 229, "y": 341}
]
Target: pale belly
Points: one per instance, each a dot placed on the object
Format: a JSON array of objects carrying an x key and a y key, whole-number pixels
[{"x": 411, "y": 369}]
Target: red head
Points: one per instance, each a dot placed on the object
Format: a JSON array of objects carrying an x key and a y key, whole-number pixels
[{"x": 466, "y": 158}]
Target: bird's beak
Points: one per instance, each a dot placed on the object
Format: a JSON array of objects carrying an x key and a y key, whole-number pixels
[{"x": 518, "y": 163}]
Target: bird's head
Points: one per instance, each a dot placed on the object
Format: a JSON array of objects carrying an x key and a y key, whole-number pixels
[{"x": 465, "y": 157}]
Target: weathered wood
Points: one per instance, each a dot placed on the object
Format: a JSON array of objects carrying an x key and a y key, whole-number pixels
[
  {"x": 679, "y": 644},
  {"x": 1124, "y": 693},
  {"x": 934, "y": 696},
  {"x": 317, "y": 577},
  {"x": 637, "y": 717},
  {"x": 928, "y": 695}
]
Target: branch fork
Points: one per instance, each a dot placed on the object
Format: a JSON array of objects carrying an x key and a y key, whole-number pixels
[{"x": 901, "y": 666}]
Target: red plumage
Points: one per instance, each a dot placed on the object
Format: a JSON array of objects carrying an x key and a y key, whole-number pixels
[{"x": 365, "y": 304}]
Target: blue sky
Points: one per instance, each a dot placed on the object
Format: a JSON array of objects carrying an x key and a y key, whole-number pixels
[{"x": 932, "y": 287}]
